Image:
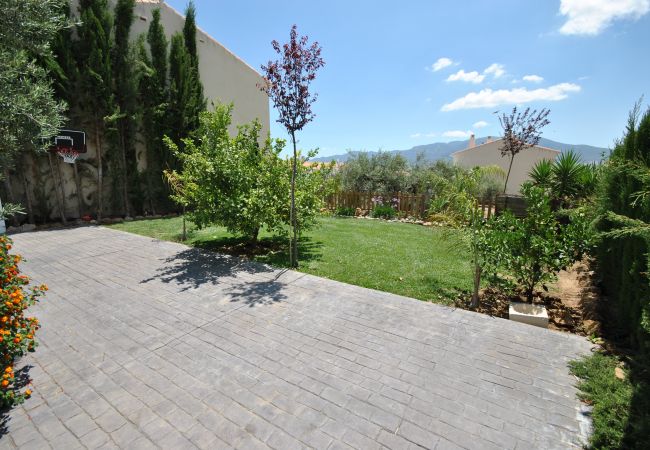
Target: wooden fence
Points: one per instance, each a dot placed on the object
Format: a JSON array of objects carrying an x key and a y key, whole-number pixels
[{"x": 414, "y": 205}]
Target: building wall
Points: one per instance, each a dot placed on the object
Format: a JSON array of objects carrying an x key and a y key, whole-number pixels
[
  {"x": 47, "y": 182},
  {"x": 490, "y": 154},
  {"x": 225, "y": 77}
]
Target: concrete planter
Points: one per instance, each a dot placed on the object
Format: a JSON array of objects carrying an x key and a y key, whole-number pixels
[{"x": 528, "y": 313}]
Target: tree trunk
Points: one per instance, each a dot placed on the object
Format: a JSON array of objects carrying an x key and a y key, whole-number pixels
[
  {"x": 28, "y": 192},
  {"x": 184, "y": 226},
  {"x": 61, "y": 185},
  {"x": 77, "y": 183},
  {"x": 293, "y": 244},
  {"x": 10, "y": 196},
  {"x": 100, "y": 172},
  {"x": 477, "y": 285},
  {"x": 505, "y": 186},
  {"x": 57, "y": 192},
  {"x": 125, "y": 184}
]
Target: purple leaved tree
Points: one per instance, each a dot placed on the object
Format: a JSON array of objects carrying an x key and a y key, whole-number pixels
[
  {"x": 521, "y": 130},
  {"x": 286, "y": 81}
]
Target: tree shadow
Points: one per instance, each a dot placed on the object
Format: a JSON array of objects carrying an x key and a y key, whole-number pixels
[
  {"x": 218, "y": 261},
  {"x": 270, "y": 250},
  {"x": 21, "y": 381},
  {"x": 193, "y": 268},
  {"x": 255, "y": 293}
]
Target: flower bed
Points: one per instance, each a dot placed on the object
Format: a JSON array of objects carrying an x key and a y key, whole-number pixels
[{"x": 16, "y": 330}]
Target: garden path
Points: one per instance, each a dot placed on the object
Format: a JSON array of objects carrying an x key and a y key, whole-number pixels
[{"x": 151, "y": 344}]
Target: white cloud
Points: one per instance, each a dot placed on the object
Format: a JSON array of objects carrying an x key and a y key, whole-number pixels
[
  {"x": 487, "y": 98},
  {"x": 421, "y": 135},
  {"x": 470, "y": 77},
  {"x": 495, "y": 69},
  {"x": 457, "y": 134},
  {"x": 441, "y": 64},
  {"x": 480, "y": 124},
  {"x": 533, "y": 78},
  {"x": 590, "y": 17}
]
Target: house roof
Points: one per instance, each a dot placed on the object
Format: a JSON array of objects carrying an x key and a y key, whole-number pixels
[{"x": 497, "y": 140}]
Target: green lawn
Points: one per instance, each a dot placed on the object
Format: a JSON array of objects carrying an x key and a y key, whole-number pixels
[{"x": 425, "y": 263}]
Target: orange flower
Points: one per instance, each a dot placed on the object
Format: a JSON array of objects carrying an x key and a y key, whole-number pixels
[
  {"x": 9, "y": 369},
  {"x": 5, "y": 383},
  {"x": 4, "y": 319},
  {"x": 28, "y": 392},
  {"x": 17, "y": 340}
]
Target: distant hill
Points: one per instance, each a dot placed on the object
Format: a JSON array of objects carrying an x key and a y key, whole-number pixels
[{"x": 443, "y": 150}]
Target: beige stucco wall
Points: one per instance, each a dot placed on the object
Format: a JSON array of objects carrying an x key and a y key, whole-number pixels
[
  {"x": 225, "y": 77},
  {"x": 490, "y": 154}
]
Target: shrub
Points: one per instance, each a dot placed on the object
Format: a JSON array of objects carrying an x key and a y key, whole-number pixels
[
  {"x": 383, "y": 212},
  {"x": 623, "y": 250},
  {"x": 240, "y": 184},
  {"x": 611, "y": 398},
  {"x": 536, "y": 247},
  {"x": 16, "y": 329},
  {"x": 345, "y": 211},
  {"x": 383, "y": 208}
]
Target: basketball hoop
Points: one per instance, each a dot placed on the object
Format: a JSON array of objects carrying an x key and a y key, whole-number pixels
[
  {"x": 68, "y": 144},
  {"x": 69, "y": 155}
]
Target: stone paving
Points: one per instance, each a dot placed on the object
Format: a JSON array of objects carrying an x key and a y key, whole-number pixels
[{"x": 150, "y": 344}]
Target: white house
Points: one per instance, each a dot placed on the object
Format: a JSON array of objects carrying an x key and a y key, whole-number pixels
[{"x": 489, "y": 154}]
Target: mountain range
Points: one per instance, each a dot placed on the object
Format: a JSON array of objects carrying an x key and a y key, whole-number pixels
[{"x": 443, "y": 150}]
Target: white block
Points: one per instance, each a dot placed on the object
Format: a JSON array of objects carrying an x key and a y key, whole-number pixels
[{"x": 527, "y": 313}]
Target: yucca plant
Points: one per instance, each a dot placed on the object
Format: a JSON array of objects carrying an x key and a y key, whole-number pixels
[
  {"x": 567, "y": 174},
  {"x": 542, "y": 173}
]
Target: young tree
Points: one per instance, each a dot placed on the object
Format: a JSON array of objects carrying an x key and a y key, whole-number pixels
[
  {"x": 233, "y": 182},
  {"x": 521, "y": 130},
  {"x": 287, "y": 82},
  {"x": 93, "y": 50}
]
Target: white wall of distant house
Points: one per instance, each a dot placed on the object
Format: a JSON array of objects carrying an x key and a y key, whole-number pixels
[{"x": 490, "y": 154}]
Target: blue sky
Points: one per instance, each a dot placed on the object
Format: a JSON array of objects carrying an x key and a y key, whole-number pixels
[{"x": 380, "y": 90}]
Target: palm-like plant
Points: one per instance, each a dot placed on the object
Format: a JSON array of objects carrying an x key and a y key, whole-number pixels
[
  {"x": 567, "y": 178},
  {"x": 567, "y": 174},
  {"x": 542, "y": 173}
]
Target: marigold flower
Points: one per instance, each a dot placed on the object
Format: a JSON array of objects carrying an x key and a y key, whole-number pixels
[
  {"x": 5, "y": 383},
  {"x": 28, "y": 392}
]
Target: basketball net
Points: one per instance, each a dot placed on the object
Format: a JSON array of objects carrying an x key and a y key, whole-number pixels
[{"x": 69, "y": 155}]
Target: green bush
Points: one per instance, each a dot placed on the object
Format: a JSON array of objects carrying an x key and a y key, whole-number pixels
[
  {"x": 621, "y": 407},
  {"x": 345, "y": 211},
  {"x": 622, "y": 252},
  {"x": 534, "y": 248},
  {"x": 383, "y": 212}
]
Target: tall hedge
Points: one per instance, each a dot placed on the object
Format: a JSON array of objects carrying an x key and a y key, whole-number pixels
[{"x": 623, "y": 259}]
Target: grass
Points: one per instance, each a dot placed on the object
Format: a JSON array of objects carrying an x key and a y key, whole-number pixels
[
  {"x": 621, "y": 408},
  {"x": 425, "y": 263}
]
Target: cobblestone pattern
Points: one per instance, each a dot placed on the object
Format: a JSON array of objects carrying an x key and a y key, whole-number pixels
[{"x": 150, "y": 344}]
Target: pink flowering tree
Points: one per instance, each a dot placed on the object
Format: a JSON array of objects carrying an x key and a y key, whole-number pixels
[{"x": 287, "y": 82}]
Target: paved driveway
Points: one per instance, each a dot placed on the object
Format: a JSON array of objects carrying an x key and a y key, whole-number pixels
[{"x": 152, "y": 344}]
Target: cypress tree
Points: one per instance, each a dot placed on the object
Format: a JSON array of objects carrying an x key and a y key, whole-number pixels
[
  {"x": 93, "y": 52},
  {"x": 196, "y": 101},
  {"x": 180, "y": 89},
  {"x": 154, "y": 95},
  {"x": 124, "y": 92}
]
